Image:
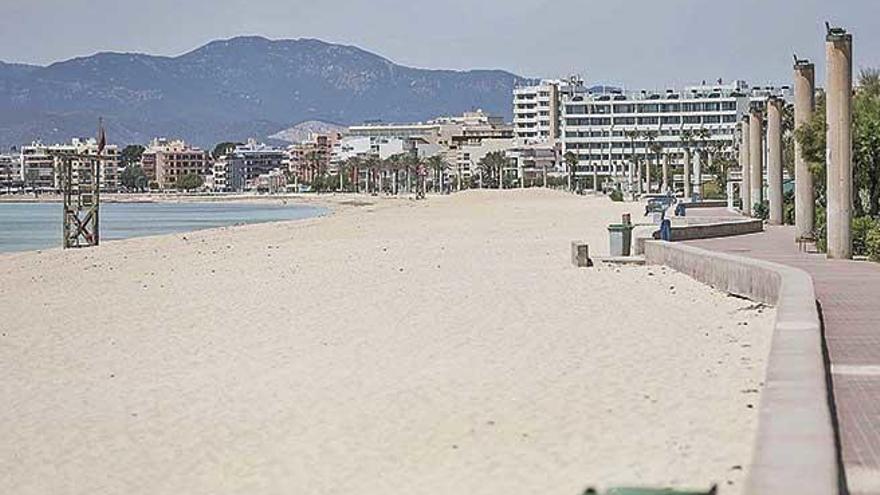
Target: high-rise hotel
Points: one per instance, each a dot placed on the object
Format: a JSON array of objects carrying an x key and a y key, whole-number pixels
[{"x": 605, "y": 130}]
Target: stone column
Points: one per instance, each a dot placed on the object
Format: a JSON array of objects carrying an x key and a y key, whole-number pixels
[
  {"x": 687, "y": 174},
  {"x": 804, "y": 105},
  {"x": 698, "y": 173},
  {"x": 774, "y": 158},
  {"x": 838, "y": 87},
  {"x": 756, "y": 154},
  {"x": 665, "y": 186},
  {"x": 745, "y": 189}
]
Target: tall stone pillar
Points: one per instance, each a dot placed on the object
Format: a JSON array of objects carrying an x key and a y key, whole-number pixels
[
  {"x": 804, "y": 105},
  {"x": 838, "y": 87},
  {"x": 745, "y": 162},
  {"x": 687, "y": 174},
  {"x": 756, "y": 154},
  {"x": 596, "y": 176},
  {"x": 774, "y": 158},
  {"x": 698, "y": 173},
  {"x": 665, "y": 186}
]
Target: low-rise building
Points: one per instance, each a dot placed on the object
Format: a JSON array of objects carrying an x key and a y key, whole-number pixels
[{"x": 166, "y": 161}]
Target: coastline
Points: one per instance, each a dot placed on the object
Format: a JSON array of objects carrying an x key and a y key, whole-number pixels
[{"x": 447, "y": 344}]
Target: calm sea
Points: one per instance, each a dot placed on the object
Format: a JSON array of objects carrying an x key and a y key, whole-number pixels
[{"x": 27, "y": 226}]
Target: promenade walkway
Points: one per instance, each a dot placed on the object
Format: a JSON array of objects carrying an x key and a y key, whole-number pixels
[{"x": 849, "y": 296}]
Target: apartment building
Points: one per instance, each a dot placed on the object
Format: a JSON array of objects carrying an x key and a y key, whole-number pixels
[
  {"x": 165, "y": 161},
  {"x": 461, "y": 140},
  {"x": 240, "y": 169},
  {"x": 537, "y": 109},
  {"x": 40, "y": 165},
  {"x": 313, "y": 156},
  {"x": 606, "y": 130},
  {"x": 10, "y": 171}
]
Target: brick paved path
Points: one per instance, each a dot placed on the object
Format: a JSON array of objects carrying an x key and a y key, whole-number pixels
[{"x": 849, "y": 295}]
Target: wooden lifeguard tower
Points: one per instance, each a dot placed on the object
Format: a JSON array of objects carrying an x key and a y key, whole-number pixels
[{"x": 80, "y": 181}]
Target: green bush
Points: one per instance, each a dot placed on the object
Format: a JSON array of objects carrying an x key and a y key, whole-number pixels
[
  {"x": 820, "y": 230},
  {"x": 788, "y": 208},
  {"x": 616, "y": 195},
  {"x": 761, "y": 210},
  {"x": 872, "y": 244},
  {"x": 712, "y": 190},
  {"x": 861, "y": 227}
]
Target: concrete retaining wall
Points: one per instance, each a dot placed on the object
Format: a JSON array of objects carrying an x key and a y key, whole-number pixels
[
  {"x": 716, "y": 229},
  {"x": 712, "y": 203},
  {"x": 795, "y": 449}
]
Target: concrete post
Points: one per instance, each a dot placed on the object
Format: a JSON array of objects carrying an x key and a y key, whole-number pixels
[
  {"x": 698, "y": 173},
  {"x": 687, "y": 174},
  {"x": 745, "y": 162},
  {"x": 756, "y": 154},
  {"x": 838, "y": 86},
  {"x": 648, "y": 174},
  {"x": 804, "y": 106},
  {"x": 665, "y": 186},
  {"x": 774, "y": 158}
]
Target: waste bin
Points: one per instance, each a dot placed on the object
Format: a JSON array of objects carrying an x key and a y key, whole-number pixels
[{"x": 620, "y": 238}]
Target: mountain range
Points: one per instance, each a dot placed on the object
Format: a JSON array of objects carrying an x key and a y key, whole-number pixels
[{"x": 231, "y": 90}]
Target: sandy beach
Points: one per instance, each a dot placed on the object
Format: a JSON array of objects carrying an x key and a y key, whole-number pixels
[{"x": 444, "y": 346}]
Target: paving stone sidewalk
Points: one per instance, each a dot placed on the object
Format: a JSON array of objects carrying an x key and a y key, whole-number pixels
[{"x": 849, "y": 295}]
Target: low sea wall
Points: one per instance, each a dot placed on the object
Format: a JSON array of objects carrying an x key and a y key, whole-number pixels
[
  {"x": 706, "y": 228},
  {"x": 795, "y": 449}
]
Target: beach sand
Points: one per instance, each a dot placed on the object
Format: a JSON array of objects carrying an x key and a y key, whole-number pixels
[{"x": 438, "y": 347}]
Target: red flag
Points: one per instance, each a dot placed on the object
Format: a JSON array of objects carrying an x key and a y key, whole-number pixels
[{"x": 102, "y": 137}]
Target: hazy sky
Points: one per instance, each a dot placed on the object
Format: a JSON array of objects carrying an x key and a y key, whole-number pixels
[{"x": 637, "y": 43}]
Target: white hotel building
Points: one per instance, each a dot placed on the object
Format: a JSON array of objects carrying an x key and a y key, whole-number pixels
[
  {"x": 537, "y": 109},
  {"x": 597, "y": 128}
]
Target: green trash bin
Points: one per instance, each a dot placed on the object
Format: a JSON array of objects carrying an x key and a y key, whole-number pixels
[{"x": 620, "y": 239}]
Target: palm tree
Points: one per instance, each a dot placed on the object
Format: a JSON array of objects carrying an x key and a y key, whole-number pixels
[
  {"x": 632, "y": 135},
  {"x": 437, "y": 164},
  {"x": 571, "y": 162},
  {"x": 650, "y": 138},
  {"x": 703, "y": 139},
  {"x": 493, "y": 161},
  {"x": 373, "y": 165},
  {"x": 687, "y": 141}
]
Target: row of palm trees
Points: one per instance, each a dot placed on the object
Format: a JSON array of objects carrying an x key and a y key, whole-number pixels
[
  {"x": 640, "y": 170},
  {"x": 404, "y": 173}
]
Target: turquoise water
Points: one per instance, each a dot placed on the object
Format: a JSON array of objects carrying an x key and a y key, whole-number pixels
[{"x": 28, "y": 226}]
